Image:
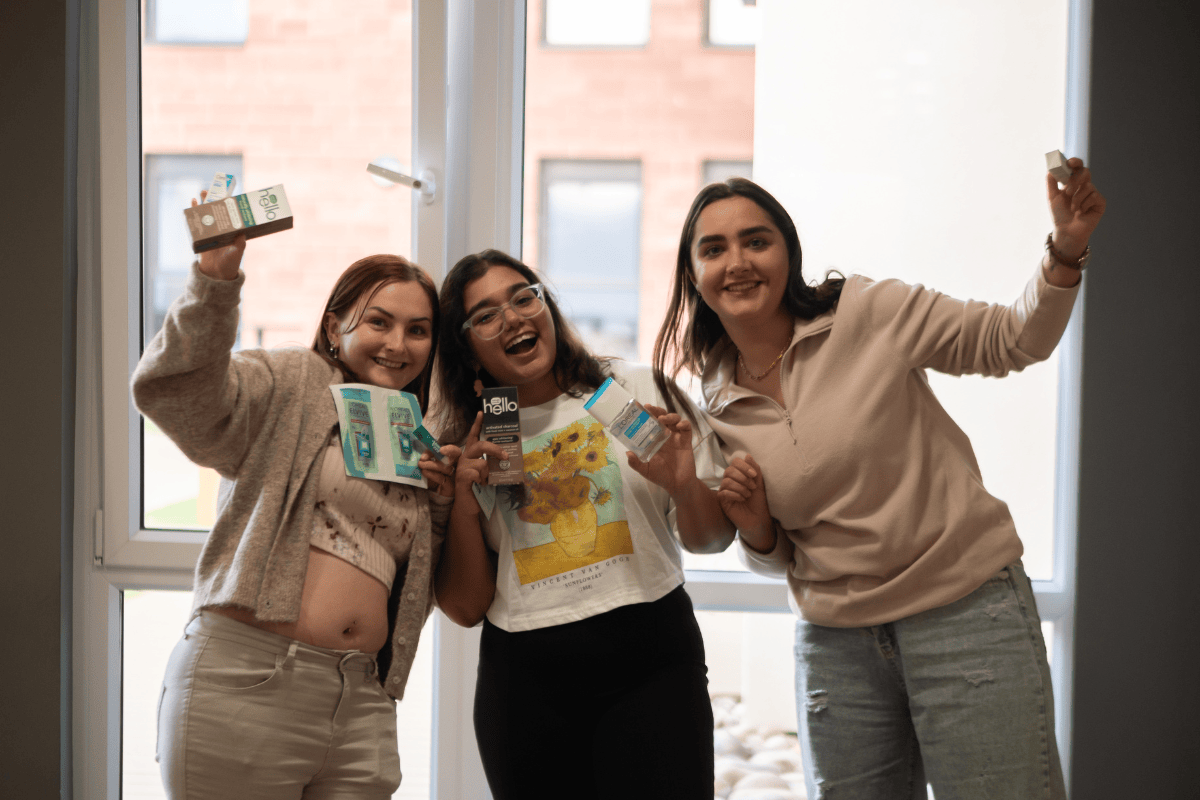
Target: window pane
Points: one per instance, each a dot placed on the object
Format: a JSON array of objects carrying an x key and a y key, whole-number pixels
[
  {"x": 152, "y": 624},
  {"x": 591, "y": 234},
  {"x": 733, "y": 23},
  {"x": 186, "y": 21},
  {"x": 612, "y": 23},
  {"x": 312, "y": 97},
  {"x": 879, "y": 151},
  {"x": 716, "y": 171}
]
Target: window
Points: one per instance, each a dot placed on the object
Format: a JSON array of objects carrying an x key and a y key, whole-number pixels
[
  {"x": 591, "y": 230},
  {"x": 189, "y": 22},
  {"x": 615, "y": 23},
  {"x": 556, "y": 106},
  {"x": 732, "y": 23},
  {"x": 717, "y": 170}
]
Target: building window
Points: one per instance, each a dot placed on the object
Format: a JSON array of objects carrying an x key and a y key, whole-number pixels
[
  {"x": 171, "y": 183},
  {"x": 189, "y": 22},
  {"x": 590, "y": 242},
  {"x": 731, "y": 23},
  {"x": 718, "y": 170},
  {"x": 614, "y": 23}
]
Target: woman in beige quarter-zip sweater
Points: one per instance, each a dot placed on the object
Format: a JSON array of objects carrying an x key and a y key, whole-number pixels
[{"x": 917, "y": 638}]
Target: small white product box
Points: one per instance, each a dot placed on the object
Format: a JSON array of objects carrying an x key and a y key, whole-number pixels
[
  {"x": 1056, "y": 165},
  {"x": 627, "y": 419},
  {"x": 222, "y": 184}
]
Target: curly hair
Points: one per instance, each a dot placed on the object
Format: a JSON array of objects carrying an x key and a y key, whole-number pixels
[
  {"x": 366, "y": 277},
  {"x": 458, "y": 368},
  {"x": 690, "y": 328}
]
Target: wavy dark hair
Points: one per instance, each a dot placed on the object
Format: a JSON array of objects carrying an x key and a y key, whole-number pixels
[
  {"x": 574, "y": 366},
  {"x": 366, "y": 277},
  {"x": 691, "y": 329}
]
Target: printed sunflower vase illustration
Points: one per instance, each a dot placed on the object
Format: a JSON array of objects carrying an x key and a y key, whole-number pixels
[{"x": 560, "y": 489}]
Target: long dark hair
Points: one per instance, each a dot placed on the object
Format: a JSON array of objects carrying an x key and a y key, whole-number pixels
[
  {"x": 690, "y": 328},
  {"x": 574, "y": 366},
  {"x": 366, "y": 277}
]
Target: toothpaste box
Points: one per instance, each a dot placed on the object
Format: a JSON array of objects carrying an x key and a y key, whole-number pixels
[
  {"x": 254, "y": 214},
  {"x": 502, "y": 425},
  {"x": 220, "y": 188}
]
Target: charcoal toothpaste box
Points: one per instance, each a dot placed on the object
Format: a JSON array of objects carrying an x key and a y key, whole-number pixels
[
  {"x": 254, "y": 214},
  {"x": 502, "y": 425}
]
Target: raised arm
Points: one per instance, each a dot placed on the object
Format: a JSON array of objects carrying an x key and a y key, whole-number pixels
[
  {"x": 187, "y": 381},
  {"x": 465, "y": 581}
]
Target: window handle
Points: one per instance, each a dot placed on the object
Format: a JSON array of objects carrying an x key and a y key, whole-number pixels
[{"x": 424, "y": 184}]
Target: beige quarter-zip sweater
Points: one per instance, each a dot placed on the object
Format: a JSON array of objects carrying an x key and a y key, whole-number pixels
[{"x": 878, "y": 498}]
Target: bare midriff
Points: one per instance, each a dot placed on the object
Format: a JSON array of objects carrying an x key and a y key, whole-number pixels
[{"x": 342, "y": 608}]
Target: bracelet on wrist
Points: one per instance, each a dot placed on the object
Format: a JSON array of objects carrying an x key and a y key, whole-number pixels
[{"x": 1058, "y": 258}]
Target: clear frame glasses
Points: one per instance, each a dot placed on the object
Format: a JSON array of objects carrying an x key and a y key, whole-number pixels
[{"x": 488, "y": 323}]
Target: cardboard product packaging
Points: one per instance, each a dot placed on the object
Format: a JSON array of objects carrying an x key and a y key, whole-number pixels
[
  {"x": 254, "y": 214},
  {"x": 1056, "y": 165},
  {"x": 502, "y": 425}
]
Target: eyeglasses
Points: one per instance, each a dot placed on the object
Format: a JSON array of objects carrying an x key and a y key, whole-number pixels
[{"x": 488, "y": 323}]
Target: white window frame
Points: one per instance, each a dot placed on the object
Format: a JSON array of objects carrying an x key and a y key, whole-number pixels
[{"x": 467, "y": 133}]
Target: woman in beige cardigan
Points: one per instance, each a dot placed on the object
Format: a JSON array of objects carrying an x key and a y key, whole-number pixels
[
  {"x": 313, "y": 586},
  {"x": 918, "y": 638}
]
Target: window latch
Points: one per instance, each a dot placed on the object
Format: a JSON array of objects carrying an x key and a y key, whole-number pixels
[{"x": 423, "y": 184}]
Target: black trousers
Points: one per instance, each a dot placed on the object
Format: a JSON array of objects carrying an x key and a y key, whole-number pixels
[{"x": 613, "y": 706}]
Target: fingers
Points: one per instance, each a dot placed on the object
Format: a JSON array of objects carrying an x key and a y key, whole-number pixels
[
  {"x": 438, "y": 475},
  {"x": 736, "y": 482},
  {"x": 479, "y": 449},
  {"x": 450, "y": 452},
  {"x": 471, "y": 470},
  {"x": 668, "y": 419},
  {"x": 750, "y": 464},
  {"x": 728, "y": 497},
  {"x": 476, "y": 427}
]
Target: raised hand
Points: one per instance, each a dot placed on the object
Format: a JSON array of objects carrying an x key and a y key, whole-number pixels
[
  {"x": 221, "y": 263},
  {"x": 440, "y": 474},
  {"x": 673, "y": 467},
  {"x": 743, "y": 498},
  {"x": 1076, "y": 209},
  {"x": 472, "y": 467}
]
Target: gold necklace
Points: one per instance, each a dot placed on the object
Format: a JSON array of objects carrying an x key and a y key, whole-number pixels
[{"x": 770, "y": 366}]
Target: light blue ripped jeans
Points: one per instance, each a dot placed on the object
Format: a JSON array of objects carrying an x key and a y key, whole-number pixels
[{"x": 964, "y": 688}]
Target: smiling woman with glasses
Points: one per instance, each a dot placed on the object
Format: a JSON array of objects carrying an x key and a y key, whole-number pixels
[{"x": 590, "y": 648}]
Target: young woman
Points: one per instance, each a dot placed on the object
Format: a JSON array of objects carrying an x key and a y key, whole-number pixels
[
  {"x": 918, "y": 638},
  {"x": 312, "y": 588},
  {"x": 592, "y": 682}
]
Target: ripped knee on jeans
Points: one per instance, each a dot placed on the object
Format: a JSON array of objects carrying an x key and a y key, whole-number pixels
[{"x": 817, "y": 701}]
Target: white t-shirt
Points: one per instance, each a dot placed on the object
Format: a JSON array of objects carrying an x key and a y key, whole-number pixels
[{"x": 593, "y": 535}]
